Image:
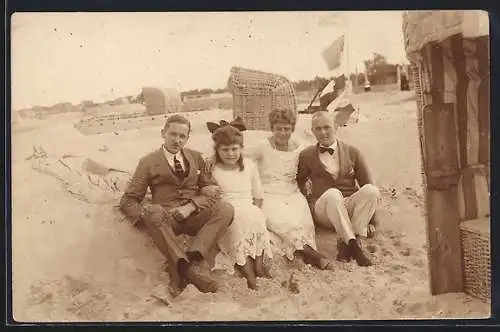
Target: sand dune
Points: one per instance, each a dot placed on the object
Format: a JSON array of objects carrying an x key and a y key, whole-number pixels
[{"x": 77, "y": 261}]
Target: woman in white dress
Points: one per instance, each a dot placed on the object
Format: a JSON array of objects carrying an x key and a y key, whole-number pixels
[
  {"x": 288, "y": 214},
  {"x": 247, "y": 239}
]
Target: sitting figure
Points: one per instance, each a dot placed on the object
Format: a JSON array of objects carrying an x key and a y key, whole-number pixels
[
  {"x": 288, "y": 215},
  {"x": 247, "y": 240},
  {"x": 342, "y": 196},
  {"x": 176, "y": 176}
]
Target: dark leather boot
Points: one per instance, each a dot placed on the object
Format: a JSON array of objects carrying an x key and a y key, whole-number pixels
[
  {"x": 344, "y": 253},
  {"x": 358, "y": 253},
  {"x": 176, "y": 283},
  {"x": 196, "y": 275}
]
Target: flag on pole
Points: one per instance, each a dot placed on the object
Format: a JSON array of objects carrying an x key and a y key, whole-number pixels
[{"x": 333, "y": 53}]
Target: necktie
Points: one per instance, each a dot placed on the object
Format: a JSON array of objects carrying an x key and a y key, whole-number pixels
[
  {"x": 178, "y": 170},
  {"x": 322, "y": 149}
]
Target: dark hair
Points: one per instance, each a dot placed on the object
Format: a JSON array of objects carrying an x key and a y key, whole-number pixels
[
  {"x": 228, "y": 135},
  {"x": 282, "y": 116},
  {"x": 176, "y": 118}
]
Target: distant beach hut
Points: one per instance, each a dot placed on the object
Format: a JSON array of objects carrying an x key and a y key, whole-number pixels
[
  {"x": 449, "y": 53},
  {"x": 256, "y": 93},
  {"x": 161, "y": 101}
]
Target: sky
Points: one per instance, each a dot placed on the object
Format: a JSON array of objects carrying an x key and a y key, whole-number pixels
[{"x": 70, "y": 57}]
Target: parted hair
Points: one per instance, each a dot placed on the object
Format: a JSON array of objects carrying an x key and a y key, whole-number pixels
[
  {"x": 176, "y": 118},
  {"x": 282, "y": 115}
]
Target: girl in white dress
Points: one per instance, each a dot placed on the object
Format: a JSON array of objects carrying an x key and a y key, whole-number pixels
[
  {"x": 247, "y": 239},
  {"x": 287, "y": 211}
]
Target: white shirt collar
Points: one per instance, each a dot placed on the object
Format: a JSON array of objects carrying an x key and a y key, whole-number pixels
[{"x": 170, "y": 156}]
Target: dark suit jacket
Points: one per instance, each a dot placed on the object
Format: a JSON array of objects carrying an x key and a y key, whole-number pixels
[
  {"x": 353, "y": 172},
  {"x": 153, "y": 171}
]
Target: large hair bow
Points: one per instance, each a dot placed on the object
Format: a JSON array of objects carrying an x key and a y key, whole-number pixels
[{"x": 237, "y": 123}]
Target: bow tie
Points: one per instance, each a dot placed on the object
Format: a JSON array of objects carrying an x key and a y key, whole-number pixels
[{"x": 322, "y": 149}]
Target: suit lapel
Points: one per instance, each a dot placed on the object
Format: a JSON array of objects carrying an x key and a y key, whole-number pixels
[
  {"x": 344, "y": 159},
  {"x": 192, "y": 165},
  {"x": 165, "y": 168}
]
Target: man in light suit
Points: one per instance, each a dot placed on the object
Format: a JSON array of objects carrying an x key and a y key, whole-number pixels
[
  {"x": 342, "y": 196},
  {"x": 176, "y": 176}
]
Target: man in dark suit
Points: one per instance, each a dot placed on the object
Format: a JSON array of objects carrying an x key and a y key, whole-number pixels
[
  {"x": 175, "y": 176},
  {"x": 342, "y": 196}
]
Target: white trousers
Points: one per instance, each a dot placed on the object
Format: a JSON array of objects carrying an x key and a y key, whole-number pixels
[{"x": 349, "y": 216}]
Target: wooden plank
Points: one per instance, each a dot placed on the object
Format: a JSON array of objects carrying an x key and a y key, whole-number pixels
[
  {"x": 440, "y": 140},
  {"x": 445, "y": 261},
  {"x": 450, "y": 75},
  {"x": 473, "y": 83},
  {"x": 467, "y": 182},
  {"x": 443, "y": 232},
  {"x": 482, "y": 196},
  {"x": 437, "y": 68},
  {"x": 450, "y": 83},
  {"x": 483, "y": 55},
  {"x": 442, "y": 211},
  {"x": 461, "y": 92}
]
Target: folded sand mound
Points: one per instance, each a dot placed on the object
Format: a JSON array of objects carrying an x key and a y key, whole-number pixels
[{"x": 84, "y": 178}]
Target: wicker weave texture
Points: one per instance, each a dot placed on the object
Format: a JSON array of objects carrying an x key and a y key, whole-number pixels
[
  {"x": 477, "y": 263},
  {"x": 256, "y": 93}
]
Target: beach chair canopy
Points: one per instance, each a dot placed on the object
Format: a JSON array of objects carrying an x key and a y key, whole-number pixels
[{"x": 421, "y": 27}]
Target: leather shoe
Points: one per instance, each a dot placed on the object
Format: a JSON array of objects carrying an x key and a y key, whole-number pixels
[
  {"x": 176, "y": 284},
  {"x": 358, "y": 253},
  {"x": 344, "y": 253},
  {"x": 196, "y": 275}
]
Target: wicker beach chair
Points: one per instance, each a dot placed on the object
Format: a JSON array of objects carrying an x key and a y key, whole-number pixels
[{"x": 256, "y": 93}]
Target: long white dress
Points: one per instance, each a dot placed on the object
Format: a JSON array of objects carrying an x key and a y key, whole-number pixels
[
  {"x": 247, "y": 235},
  {"x": 288, "y": 215}
]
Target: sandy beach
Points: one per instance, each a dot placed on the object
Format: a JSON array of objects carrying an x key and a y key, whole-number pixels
[{"x": 79, "y": 261}]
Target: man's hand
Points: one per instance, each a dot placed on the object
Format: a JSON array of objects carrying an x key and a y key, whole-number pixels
[
  {"x": 211, "y": 191},
  {"x": 182, "y": 212},
  {"x": 203, "y": 202},
  {"x": 308, "y": 188}
]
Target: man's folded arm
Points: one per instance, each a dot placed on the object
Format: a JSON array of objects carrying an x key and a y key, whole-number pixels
[
  {"x": 362, "y": 171},
  {"x": 205, "y": 179}
]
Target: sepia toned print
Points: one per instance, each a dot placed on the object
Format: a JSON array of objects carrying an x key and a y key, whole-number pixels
[{"x": 234, "y": 166}]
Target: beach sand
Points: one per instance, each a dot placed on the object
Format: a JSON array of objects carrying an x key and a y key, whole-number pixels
[{"x": 77, "y": 261}]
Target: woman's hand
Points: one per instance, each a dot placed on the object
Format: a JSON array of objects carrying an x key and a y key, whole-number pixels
[
  {"x": 258, "y": 202},
  {"x": 212, "y": 191},
  {"x": 308, "y": 187}
]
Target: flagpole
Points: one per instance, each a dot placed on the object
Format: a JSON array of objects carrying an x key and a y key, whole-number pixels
[
  {"x": 347, "y": 41},
  {"x": 347, "y": 45}
]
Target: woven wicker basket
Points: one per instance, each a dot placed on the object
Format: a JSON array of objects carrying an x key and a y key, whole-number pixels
[
  {"x": 475, "y": 239},
  {"x": 256, "y": 93}
]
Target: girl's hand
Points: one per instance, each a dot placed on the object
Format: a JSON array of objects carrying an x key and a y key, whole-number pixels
[
  {"x": 258, "y": 202},
  {"x": 212, "y": 191}
]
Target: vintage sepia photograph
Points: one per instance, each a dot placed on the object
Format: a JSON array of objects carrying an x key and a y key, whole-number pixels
[{"x": 250, "y": 166}]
